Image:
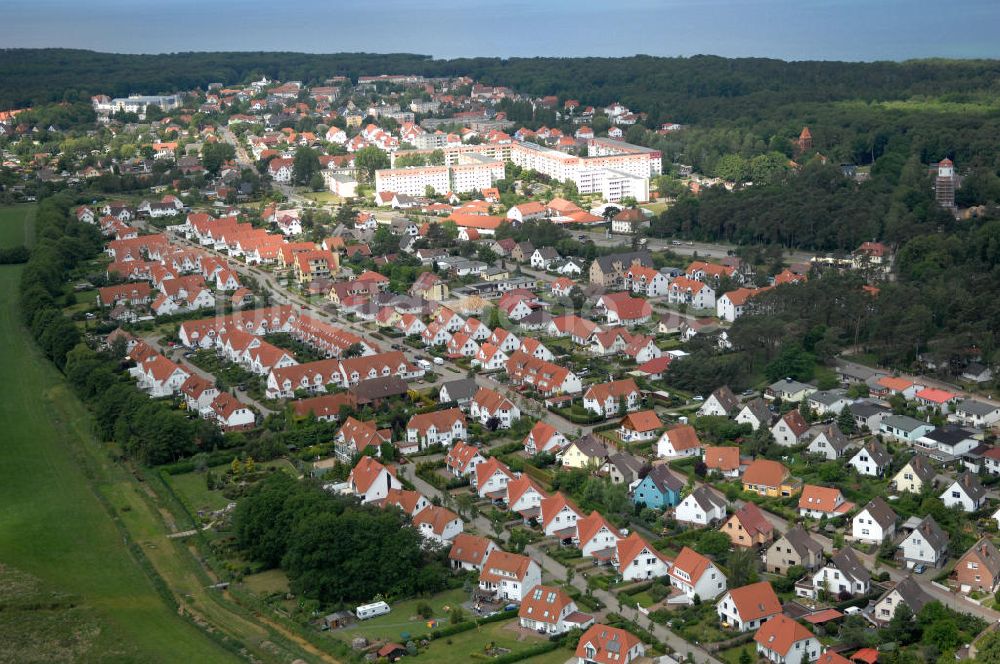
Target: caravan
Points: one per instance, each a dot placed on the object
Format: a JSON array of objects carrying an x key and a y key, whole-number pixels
[{"x": 366, "y": 611}]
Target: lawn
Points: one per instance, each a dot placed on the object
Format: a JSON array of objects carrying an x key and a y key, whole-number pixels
[
  {"x": 52, "y": 523},
  {"x": 404, "y": 619},
  {"x": 323, "y": 197},
  {"x": 193, "y": 488},
  {"x": 266, "y": 583},
  {"x": 17, "y": 224},
  {"x": 470, "y": 645}
]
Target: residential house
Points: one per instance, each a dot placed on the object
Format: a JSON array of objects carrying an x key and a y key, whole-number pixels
[
  {"x": 783, "y": 641},
  {"x": 491, "y": 478},
  {"x": 874, "y": 523},
  {"x": 868, "y": 415},
  {"x": 602, "y": 644},
  {"x": 819, "y": 501},
  {"x": 904, "y": 428},
  {"x": 595, "y": 537},
  {"x": 586, "y": 452},
  {"x": 748, "y": 526},
  {"x": 622, "y": 468},
  {"x": 462, "y": 459},
  {"x": 558, "y": 516},
  {"x": 460, "y": 392},
  {"x": 755, "y": 413},
  {"x": 490, "y": 358},
  {"x": 790, "y": 429},
  {"x": 442, "y": 427},
  {"x": 438, "y": 524},
  {"x": 409, "y": 502},
  {"x": 371, "y": 481},
  {"x": 635, "y": 559},
  {"x": 793, "y": 548},
  {"x": 906, "y": 591},
  {"x": 694, "y": 574},
  {"x": 524, "y": 497},
  {"x": 659, "y": 489},
  {"x": 769, "y": 478},
  {"x": 979, "y": 414},
  {"x": 623, "y": 309},
  {"x": 609, "y": 271},
  {"x": 723, "y": 460},
  {"x": 639, "y": 426},
  {"x": 355, "y": 436},
  {"x": 966, "y": 493},
  {"x": 748, "y": 607},
  {"x": 721, "y": 403},
  {"x": 678, "y": 442},
  {"x": 978, "y": 570},
  {"x": 508, "y": 576},
  {"x": 915, "y": 476},
  {"x": 926, "y": 545},
  {"x": 646, "y": 281},
  {"x": 493, "y": 410},
  {"x": 948, "y": 442},
  {"x": 703, "y": 507},
  {"x": 616, "y": 397},
  {"x": 828, "y": 402},
  {"x": 788, "y": 390},
  {"x": 828, "y": 442},
  {"x": 845, "y": 574},
  {"x": 544, "y": 437},
  {"x": 546, "y": 378},
  {"x": 872, "y": 459},
  {"x": 692, "y": 293},
  {"x": 549, "y": 610}
]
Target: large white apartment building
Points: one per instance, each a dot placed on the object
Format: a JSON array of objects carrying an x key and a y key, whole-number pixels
[
  {"x": 614, "y": 169},
  {"x": 468, "y": 171}
]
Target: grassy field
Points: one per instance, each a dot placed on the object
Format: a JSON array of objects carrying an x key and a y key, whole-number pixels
[
  {"x": 470, "y": 645},
  {"x": 17, "y": 224},
  {"x": 404, "y": 619},
  {"x": 53, "y": 527},
  {"x": 193, "y": 488},
  {"x": 323, "y": 197}
]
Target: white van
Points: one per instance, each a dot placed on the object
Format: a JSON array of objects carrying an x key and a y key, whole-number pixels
[
  {"x": 425, "y": 365},
  {"x": 366, "y": 611},
  {"x": 439, "y": 361}
]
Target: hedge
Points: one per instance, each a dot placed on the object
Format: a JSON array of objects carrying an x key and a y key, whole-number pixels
[{"x": 451, "y": 630}]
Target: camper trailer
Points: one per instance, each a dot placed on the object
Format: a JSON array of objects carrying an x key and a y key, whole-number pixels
[{"x": 366, "y": 611}]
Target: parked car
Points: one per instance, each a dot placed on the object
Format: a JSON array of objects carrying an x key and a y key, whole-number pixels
[{"x": 919, "y": 569}]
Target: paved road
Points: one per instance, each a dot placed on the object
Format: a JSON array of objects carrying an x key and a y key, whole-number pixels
[{"x": 242, "y": 157}]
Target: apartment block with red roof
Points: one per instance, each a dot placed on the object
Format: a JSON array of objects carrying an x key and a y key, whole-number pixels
[
  {"x": 605, "y": 398},
  {"x": 508, "y": 576},
  {"x": 470, "y": 551},
  {"x": 441, "y": 427}
]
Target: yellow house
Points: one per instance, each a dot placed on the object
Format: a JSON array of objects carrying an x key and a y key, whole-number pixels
[
  {"x": 769, "y": 478},
  {"x": 587, "y": 452},
  {"x": 915, "y": 475},
  {"x": 311, "y": 265},
  {"x": 496, "y": 274}
]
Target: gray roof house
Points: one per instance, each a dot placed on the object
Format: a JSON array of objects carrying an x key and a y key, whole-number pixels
[
  {"x": 906, "y": 592},
  {"x": 458, "y": 391}
]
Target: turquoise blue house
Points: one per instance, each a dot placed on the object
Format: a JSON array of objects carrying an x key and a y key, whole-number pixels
[{"x": 659, "y": 489}]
